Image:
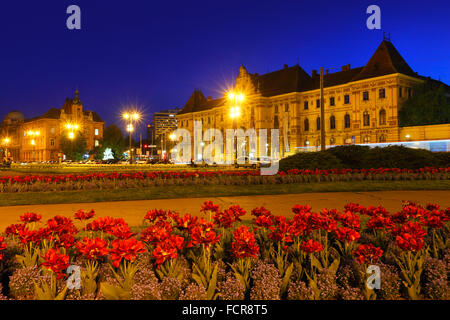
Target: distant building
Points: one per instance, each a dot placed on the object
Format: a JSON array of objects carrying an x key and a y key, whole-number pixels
[
  {"x": 38, "y": 139},
  {"x": 361, "y": 105},
  {"x": 164, "y": 122}
]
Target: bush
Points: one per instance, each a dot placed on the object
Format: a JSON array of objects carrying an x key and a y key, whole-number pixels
[
  {"x": 311, "y": 161},
  {"x": 363, "y": 157}
]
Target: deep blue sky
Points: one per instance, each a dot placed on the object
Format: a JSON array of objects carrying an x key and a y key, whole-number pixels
[{"x": 155, "y": 53}]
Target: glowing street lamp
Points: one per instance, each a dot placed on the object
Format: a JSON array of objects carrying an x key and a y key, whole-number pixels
[
  {"x": 235, "y": 111},
  {"x": 130, "y": 117},
  {"x": 6, "y": 142}
]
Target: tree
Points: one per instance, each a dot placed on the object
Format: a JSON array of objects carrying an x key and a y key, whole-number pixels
[
  {"x": 112, "y": 138},
  {"x": 430, "y": 104},
  {"x": 73, "y": 149}
]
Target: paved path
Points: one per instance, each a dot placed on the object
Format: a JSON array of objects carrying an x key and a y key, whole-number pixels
[{"x": 134, "y": 211}]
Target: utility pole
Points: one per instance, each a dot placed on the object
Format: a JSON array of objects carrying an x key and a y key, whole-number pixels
[{"x": 322, "y": 113}]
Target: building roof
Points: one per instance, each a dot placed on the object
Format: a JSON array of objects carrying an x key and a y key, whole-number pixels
[
  {"x": 288, "y": 79},
  {"x": 386, "y": 60}
]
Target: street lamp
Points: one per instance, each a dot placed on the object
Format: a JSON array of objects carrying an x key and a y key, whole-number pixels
[
  {"x": 33, "y": 134},
  {"x": 130, "y": 117},
  {"x": 6, "y": 142},
  {"x": 235, "y": 111}
]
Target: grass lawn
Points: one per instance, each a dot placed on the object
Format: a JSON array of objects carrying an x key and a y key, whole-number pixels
[{"x": 193, "y": 191}]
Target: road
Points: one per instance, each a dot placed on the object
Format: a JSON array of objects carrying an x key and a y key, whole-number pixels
[{"x": 134, "y": 211}]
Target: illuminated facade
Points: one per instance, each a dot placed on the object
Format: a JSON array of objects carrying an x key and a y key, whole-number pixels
[
  {"x": 38, "y": 139},
  {"x": 361, "y": 104}
]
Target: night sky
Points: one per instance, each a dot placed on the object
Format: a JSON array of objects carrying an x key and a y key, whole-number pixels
[{"x": 155, "y": 53}]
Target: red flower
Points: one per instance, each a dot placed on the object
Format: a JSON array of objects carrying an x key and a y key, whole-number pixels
[
  {"x": 2, "y": 247},
  {"x": 203, "y": 233},
  {"x": 355, "y": 208},
  {"x": 379, "y": 223},
  {"x": 347, "y": 234},
  {"x": 367, "y": 253},
  {"x": 154, "y": 215},
  {"x": 284, "y": 230},
  {"x": 311, "y": 246},
  {"x": 56, "y": 262},
  {"x": 14, "y": 229},
  {"x": 61, "y": 225},
  {"x": 300, "y": 208},
  {"x": 244, "y": 244},
  {"x": 209, "y": 206},
  {"x": 349, "y": 220},
  {"x": 81, "y": 215},
  {"x": 92, "y": 248},
  {"x": 257, "y": 212},
  {"x": 227, "y": 218},
  {"x": 168, "y": 249},
  {"x": 265, "y": 221},
  {"x": 185, "y": 223},
  {"x": 125, "y": 249},
  {"x": 157, "y": 233},
  {"x": 409, "y": 237},
  {"x": 30, "y": 217}
]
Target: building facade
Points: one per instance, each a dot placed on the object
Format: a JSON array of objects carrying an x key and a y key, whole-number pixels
[
  {"x": 361, "y": 104},
  {"x": 38, "y": 139}
]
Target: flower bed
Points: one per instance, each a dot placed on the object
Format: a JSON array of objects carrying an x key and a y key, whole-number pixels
[
  {"x": 313, "y": 255},
  {"x": 101, "y": 181}
]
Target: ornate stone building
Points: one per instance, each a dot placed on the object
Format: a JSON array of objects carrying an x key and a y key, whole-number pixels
[
  {"x": 361, "y": 104},
  {"x": 38, "y": 139}
]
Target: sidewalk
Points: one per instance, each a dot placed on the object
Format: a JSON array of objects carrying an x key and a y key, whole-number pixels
[{"x": 134, "y": 211}]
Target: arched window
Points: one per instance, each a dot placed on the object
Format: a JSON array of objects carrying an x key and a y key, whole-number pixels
[
  {"x": 318, "y": 123},
  {"x": 382, "y": 117},
  {"x": 332, "y": 141},
  {"x": 347, "y": 121},
  {"x": 366, "y": 139},
  {"x": 332, "y": 122},
  {"x": 382, "y": 138},
  {"x": 366, "y": 119},
  {"x": 306, "y": 125}
]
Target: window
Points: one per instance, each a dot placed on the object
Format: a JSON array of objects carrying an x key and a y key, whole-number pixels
[
  {"x": 346, "y": 99},
  {"x": 382, "y": 117},
  {"x": 382, "y": 93},
  {"x": 52, "y": 142},
  {"x": 52, "y": 130},
  {"x": 96, "y": 143},
  {"x": 366, "y": 119},
  {"x": 286, "y": 107},
  {"x": 409, "y": 92},
  {"x": 332, "y": 141},
  {"x": 366, "y": 95},
  {"x": 96, "y": 131},
  {"x": 382, "y": 138},
  {"x": 276, "y": 125},
  {"x": 400, "y": 91},
  {"x": 347, "y": 121},
  {"x": 318, "y": 103},
  {"x": 318, "y": 123},
  {"x": 276, "y": 108},
  {"x": 305, "y": 105},
  {"x": 306, "y": 125},
  {"x": 331, "y": 101},
  {"x": 366, "y": 139},
  {"x": 332, "y": 122}
]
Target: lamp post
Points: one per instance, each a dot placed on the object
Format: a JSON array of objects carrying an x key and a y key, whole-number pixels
[
  {"x": 33, "y": 134},
  {"x": 71, "y": 127},
  {"x": 235, "y": 112},
  {"x": 6, "y": 142},
  {"x": 130, "y": 117}
]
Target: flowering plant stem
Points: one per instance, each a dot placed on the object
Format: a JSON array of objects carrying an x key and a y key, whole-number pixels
[{"x": 411, "y": 266}]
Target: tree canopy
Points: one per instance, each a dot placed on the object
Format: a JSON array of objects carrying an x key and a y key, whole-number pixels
[
  {"x": 74, "y": 149},
  {"x": 430, "y": 104},
  {"x": 112, "y": 138}
]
